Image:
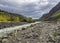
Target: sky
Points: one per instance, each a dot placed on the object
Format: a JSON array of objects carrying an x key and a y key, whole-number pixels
[{"x": 30, "y": 8}]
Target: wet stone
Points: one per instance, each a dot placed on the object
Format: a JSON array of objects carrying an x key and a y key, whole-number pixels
[
  {"x": 23, "y": 28},
  {"x": 5, "y": 41}
]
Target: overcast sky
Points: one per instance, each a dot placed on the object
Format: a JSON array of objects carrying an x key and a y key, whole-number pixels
[{"x": 30, "y": 8}]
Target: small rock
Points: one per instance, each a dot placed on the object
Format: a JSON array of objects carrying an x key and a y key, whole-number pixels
[
  {"x": 5, "y": 41},
  {"x": 31, "y": 25},
  {"x": 23, "y": 28}
]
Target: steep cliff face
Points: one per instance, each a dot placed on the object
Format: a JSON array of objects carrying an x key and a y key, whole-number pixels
[{"x": 51, "y": 15}]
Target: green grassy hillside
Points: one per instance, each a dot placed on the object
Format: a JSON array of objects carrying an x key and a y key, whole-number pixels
[
  {"x": 53, "y": 15},
  {"x": 11, "y": 17},
  {"x": 56, "y": 16}
]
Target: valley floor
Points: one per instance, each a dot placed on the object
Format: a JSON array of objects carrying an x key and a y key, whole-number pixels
[
  {"x": 10, "y": 24},
  {"x": 43, "y": 32}
]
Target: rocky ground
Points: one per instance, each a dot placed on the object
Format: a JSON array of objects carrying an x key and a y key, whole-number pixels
[
  {"x": 43, "y": 32},
  {"x": 12, "y": 24}
]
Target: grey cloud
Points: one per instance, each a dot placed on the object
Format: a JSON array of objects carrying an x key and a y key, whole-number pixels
[{"x": 32, "y": 10}]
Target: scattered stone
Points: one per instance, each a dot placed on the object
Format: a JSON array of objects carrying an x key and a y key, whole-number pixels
[
  {"x": 5, "y": 40},
  {"x": 31, "y": 25},
  {"x": 39, "y": 33},
  {"x": 23, "y": 28}
]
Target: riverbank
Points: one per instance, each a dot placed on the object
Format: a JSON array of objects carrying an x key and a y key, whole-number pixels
[{"x": 43, "y": 32}]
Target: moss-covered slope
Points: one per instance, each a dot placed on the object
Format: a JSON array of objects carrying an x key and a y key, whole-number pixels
[
  {"x": 11, "y": 17},
  {"x": 53, "y": 15},
  {"x": 56, "y": 16}
]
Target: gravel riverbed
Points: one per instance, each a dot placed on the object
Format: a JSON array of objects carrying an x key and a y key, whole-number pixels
[
  {"x": 43, "y": 32},
  {"x": 12, "y": 24}
]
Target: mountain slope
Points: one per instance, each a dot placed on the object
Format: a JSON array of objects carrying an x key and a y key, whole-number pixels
[
  {"x": 11, "y": 17},
  {"x": 54, "y": 13},
  {"x": 56, "y": 16}
]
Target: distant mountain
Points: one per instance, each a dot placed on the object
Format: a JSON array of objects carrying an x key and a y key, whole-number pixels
[
  {"x": 11, "y": 17},
  {"x": 54, "y": 14}
]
